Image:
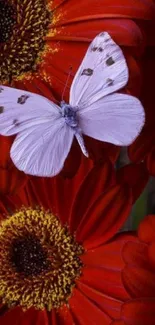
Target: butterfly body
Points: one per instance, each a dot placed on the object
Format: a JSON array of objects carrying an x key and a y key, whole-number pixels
[
  {"x": 45, "y": 131},
  {"x": 70, "y": 114}
]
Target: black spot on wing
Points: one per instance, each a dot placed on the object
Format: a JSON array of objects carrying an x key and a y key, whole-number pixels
[
  {"x": 1, "y": 109},
  {"x": 109, "y": 82},
  {"x": 1, "y": 89},
  {"x": 87, "y": 72},
  {"x": 94, "y": 49},
  {"x": 110, "y": 61},
  {"x": 98, "y": 49},
  {"x": 22, "y": 99}
]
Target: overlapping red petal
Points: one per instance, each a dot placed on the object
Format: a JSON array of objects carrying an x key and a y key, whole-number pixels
[
  {"x": 143, "y": 147},
  {"x": 135, "y": 175},
  {"x": 139, "y": 273},
  {"x": 11, "y": 179},
  {"x": 151, "y": 161},
  {"x": 97, "y": 181},
  {"x": 105, "y": 217},
  {"x": 137, "y": 312},
  {"x": 146, "y": 230}
]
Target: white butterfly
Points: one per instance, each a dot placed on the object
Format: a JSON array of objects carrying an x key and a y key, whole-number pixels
[{"x": 45, "y": 131}]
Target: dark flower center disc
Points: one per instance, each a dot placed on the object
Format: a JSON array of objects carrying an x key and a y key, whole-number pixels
[
  {"x": 28, "y": 256},
  {"x": 6, "y": 21}
]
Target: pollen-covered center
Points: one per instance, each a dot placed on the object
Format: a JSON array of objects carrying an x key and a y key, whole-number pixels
[
  {"x": 6, "y": 20},
  {"x": 39, "y": 260},
  {"x": 23, "y": 27}
]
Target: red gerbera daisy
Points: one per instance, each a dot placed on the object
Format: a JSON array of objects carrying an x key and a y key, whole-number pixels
[{"x": 59, "y": 262}]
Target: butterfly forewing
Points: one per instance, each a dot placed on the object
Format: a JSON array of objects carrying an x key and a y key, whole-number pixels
[
  {"x": 102, "y": 71},
  {"x": 22, "y": 110}
]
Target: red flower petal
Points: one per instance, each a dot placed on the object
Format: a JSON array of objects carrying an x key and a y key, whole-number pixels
[
  {"x": 5, "y": 145},
  {"x": 121, "y": 8},
  {"x": 139, "y": 282},
  {"x": 146, "y": 230},
  {"x": 49, "y": 192},
  {"x": 139, "y": 312},
  {"x": 108, "y": 255},
  {"x": 62, "y": 316},
  {"x": 97, "y": 180},
  {"x": 151, "y": 250},
  {"x": 16, "y": 316},
  {"x": 12, "y": 316},
  {"x": 145, "y": 141},
  {"x": 134, "y": 35},
  {"x": 142, "y": 145},
  {"x": 118, "y": 322},
  {"x": 11, "y": 179},
  {"x": 85, "y": 311},
  {"x": 135, "y": 253},
  {"x": 106, "y": 280},
  {"x": 151, "y": 162},
  {"x": 72, "y": 162},
  {"x": 135, "y": 176},
  {"x": 134, "y": 84},
  {"x": 105, "y": 217},
  {"x": 109, "y": 305}
]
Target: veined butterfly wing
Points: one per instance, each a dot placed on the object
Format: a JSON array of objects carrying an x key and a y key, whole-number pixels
[
  {"x": 21, "y": 109},
  {"x": 44, "y": 139},
  {"x": 42, "y": 149},
  {"x": 102, "y": 71},
  {"x": 116, "y": 118}
]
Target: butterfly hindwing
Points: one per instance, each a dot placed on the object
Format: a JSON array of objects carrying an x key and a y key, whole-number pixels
[
  {"x": 43, "y": 149},
  {"x": 116, "y": 118},
  {"x": 43, "y": 139}
]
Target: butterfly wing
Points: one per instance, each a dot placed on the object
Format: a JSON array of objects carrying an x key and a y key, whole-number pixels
[
  {"x": 43, "y": 141},
  {"x": 19, "y": 110},
  {"x": 42, "y": 149},
  {"x": 116, "y": 118},
  {"x": 102, "y": 71}
]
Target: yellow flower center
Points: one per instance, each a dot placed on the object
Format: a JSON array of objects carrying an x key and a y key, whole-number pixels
[
  {"x": 39, "y": 260},
  {"x": 24, "y": 25}
]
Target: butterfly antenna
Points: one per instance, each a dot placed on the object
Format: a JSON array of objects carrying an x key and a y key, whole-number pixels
[{"x": 69, "y": 74}]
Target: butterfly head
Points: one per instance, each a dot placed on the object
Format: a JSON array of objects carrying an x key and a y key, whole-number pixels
[{"x": 69, "y": 114}]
